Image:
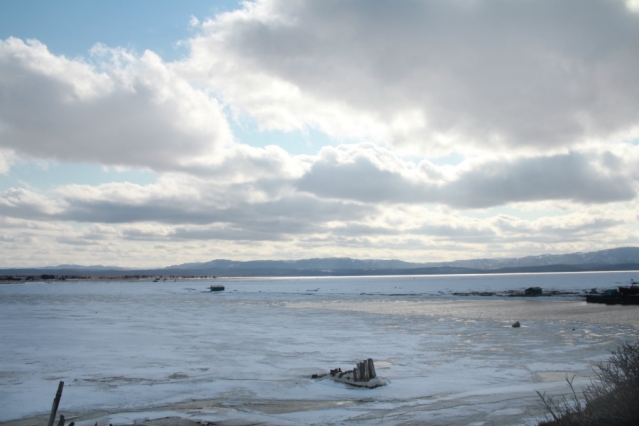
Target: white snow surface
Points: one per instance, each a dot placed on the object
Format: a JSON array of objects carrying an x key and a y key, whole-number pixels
[{"x": 133, "y": 351}]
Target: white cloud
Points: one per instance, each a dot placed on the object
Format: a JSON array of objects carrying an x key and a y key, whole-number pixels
[
  {"x": 122, "y": 223},
  {"x": 371, "y": 174},
  {"x": 437, "y": 75},
  {"x": 23, "y": 203},
  {"x": 129, "y": 110},
  {"x": 6, "y": 158}
]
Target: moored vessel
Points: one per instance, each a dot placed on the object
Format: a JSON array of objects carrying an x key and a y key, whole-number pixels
[{"x": 624, "y": 295}]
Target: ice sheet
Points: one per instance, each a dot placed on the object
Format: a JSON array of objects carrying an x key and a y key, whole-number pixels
[{"x": 247, "y": 354}]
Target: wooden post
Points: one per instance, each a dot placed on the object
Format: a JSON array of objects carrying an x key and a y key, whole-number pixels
[
  {"x": 61, "y": 422},
  {"x": 56, "y": 402},
  {"x": 360, "y": 371},
  {"x": 367, "y": 376},
  {"x": 371, "y": 368}
]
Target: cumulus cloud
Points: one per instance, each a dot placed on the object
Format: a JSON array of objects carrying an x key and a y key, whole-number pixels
[
  {"x": 23, "y": 203},
  {"x": 439, "y": 75},
  {"x": 576, "y": 177},
  {"x": 351, "y": 190},
  {"x": 376, "y": 175},
  {"x": 195, "y": 209},
  {"x": 127, "y": 110},
  {"x": 121, "y": 110}
]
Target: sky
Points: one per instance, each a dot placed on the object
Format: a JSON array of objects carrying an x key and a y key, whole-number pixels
[{"x": 148, "y": 133}]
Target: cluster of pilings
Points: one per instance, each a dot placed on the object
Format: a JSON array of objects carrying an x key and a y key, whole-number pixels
[{"x": 363, "y": 372}]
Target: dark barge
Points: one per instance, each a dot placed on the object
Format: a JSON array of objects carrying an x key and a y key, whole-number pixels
[
  {"x": 624, "y": 296},
  {"x": 613, "y": 300}
]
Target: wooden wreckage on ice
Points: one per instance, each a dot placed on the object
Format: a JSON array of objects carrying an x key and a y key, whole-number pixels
[{"x": 362, "y": 376}]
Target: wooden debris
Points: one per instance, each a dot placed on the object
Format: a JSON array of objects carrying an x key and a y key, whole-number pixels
[
  {"x": 363, "y": 375},
  {"x": 56, "y": 403},
  {"x": 371, "y": 368}
]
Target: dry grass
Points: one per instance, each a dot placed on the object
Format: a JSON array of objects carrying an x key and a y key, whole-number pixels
[{"x": 612, "y": 398}]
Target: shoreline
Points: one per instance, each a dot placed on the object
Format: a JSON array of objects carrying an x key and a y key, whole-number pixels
[
  {"x": 496, "y": 408},
  {"x": 21, "y": 275}
]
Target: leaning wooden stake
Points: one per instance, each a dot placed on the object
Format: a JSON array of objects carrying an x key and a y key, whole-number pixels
[{"x": 56, "y": 402}]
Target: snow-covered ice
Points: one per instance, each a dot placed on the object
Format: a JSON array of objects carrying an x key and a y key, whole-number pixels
[{"x": 133, "y": 351}]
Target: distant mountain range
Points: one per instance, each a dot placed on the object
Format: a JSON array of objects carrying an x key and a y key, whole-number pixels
[
  {"x": 604, "y": 257},
  {"x": 332, "y": 263},
  {"x": 83, "y": 268},
  {"x": 624, "y": 258}
]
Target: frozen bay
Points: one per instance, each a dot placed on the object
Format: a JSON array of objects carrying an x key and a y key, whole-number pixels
[{"x": 130, "y": 351}]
